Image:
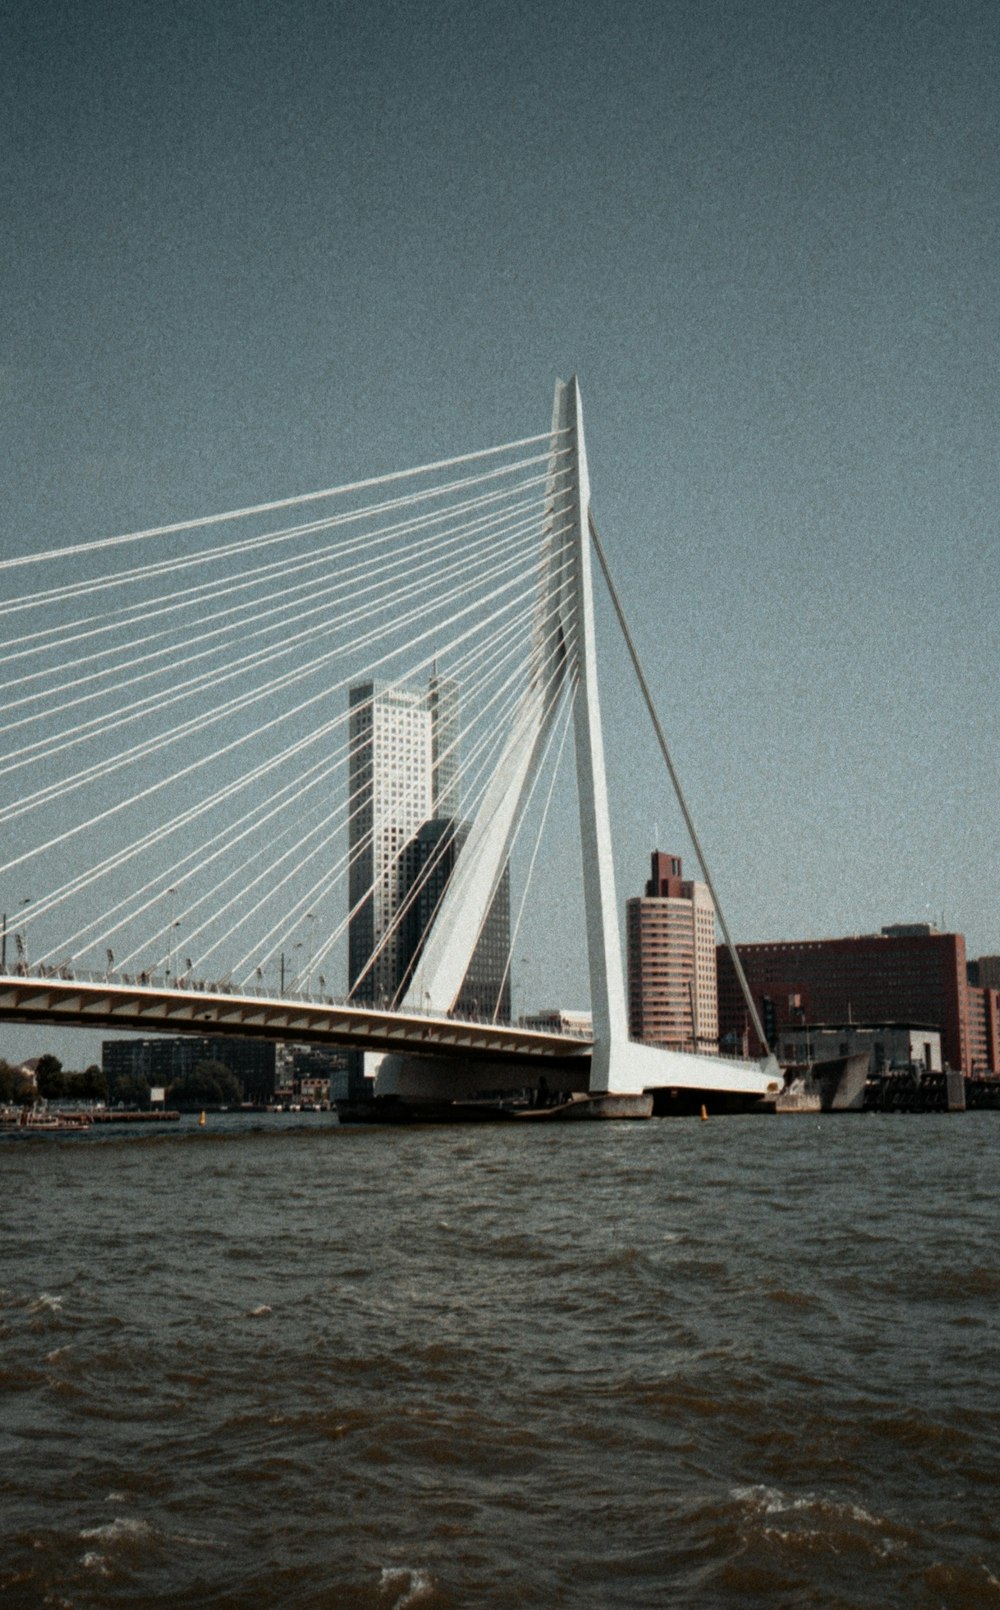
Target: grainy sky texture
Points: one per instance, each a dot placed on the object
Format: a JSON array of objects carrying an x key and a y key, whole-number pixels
[{"x": 251, "y": 250}]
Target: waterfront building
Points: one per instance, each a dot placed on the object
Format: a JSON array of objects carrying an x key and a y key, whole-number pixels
[
  {"x": 908, "y": 973},
  {"x": 672, "y": 984},
  {"x": 404, "y": 836},
  {"x": 403, "y": 743},
  {"x": 890, "y": 1046},
  {"x": 168, "y": 1057},
  {"x": 310, "y": 1073},
  {"x": 983, "y": 1029},
  {"x": 985, "y": 972}
]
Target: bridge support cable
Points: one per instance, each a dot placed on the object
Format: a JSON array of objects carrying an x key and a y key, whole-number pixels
[
  {"x": 75, "y": 550},
  {"x": 496, "y": 735},
  {"x": 403, "y": 993},
  {"x": 513, "y": 544},
  {"x": 565, "y": 724},
  {"x": 341, "y": 817},
  {"x": 519, "y": 541},
  {"x": 334, "y": 873},
  {"x": 674, "y": 778},
  {"x": 405, "y": 557},
  {"x": 197, "y": 724},
  {"x": 475, "y": 810},
  {"x": 321, "y": 771},
  {"x": 317, "y": 772},
  {"x": 445, "y": 957},
  {"x": 490, "y": 633},
  {"x": 150, "y": 746},
  {"x": 117, "y": 581}
]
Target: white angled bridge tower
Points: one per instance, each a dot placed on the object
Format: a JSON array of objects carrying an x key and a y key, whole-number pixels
[{"x": 565, "y": 639}]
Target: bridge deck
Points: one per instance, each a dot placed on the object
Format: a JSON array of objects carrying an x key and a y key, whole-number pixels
[{"x": 152, "y": 1008}]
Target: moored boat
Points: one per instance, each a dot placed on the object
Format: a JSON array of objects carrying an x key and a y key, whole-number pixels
[{"x": 36, "y": 1121}]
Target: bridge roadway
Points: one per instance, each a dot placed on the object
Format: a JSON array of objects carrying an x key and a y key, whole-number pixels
[{"x": 153, "y": 1008}]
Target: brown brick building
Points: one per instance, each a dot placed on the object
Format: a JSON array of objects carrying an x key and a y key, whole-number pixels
[
  {"x": 908, "y": 974},
  {"x": 983, "y": 1029},
  {"x": 672, "y": 975}
]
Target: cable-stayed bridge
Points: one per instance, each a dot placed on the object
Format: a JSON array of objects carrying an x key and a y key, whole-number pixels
[{"x": 267, "y": 773}]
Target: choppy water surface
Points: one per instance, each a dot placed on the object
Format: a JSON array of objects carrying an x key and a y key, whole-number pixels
[{"x": 748, "y": 1362}]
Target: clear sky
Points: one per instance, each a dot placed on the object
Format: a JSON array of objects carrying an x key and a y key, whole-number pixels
[{"x": 252, "y": 250}]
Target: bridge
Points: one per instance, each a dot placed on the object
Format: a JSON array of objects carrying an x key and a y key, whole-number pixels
[
  {"x": 156, "y": 1007},
  {"x": 238, "y": 766}
]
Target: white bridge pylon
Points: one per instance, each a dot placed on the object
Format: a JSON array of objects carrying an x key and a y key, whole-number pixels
[{"x": 565, "y": 656}]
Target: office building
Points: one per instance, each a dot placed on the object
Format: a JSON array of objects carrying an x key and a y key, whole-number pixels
[
  {"x": 983, "y": 1018},
  {"x": 400, "y": 742},
  {"x": 985, "y": 972},
  {"x": 909, "y": 973},
  {"x": 670, "y": 935},
  {"x": 171, "y": 1056},
  {"x": 442, "y": 702},
  {"x": 430, "y": 861}
]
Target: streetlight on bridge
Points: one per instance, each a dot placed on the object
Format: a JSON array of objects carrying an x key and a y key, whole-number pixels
[
  {"x": 24, "y": 901},
  {"x": 174, "y": 924}
]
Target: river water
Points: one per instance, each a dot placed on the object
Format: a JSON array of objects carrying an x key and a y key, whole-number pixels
[{"x": 275, "y": 1362}]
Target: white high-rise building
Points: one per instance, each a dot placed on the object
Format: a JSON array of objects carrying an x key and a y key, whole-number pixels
[{"x": 402, "y": 744}]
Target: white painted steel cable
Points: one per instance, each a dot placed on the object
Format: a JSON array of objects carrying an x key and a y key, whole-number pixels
[
  {"x": 252, "y": 610},
  {"x": 533, "y": 660},
  {"x": 515, "y": 683},
  {"x": 283, "y": 758},
  {"x": 337, "y": 822},
  {"x": 128, "y": 618},
  {"x": 334, "y": 816},
  {"x": 312, "y": 738},
  {"x": 428, "y": 544},
  {"x": 274, "y": 761},
  {"x": 517, "y": 693},
  {"x": 538, "y": 838},
  {"x": 166, "y": 567},
  {"x": 661, "y": 739},
  {"x": 199, "y": 723},
  {"x": 76, "y": 549},
  {"x": 354, "y": 850},
  {"x": 312, "y": 896},
  {"x": 63, "y": 739},
  {"x": 385, "y": 533},
  {"x": 98, "y": 726},
  {"x": 557, "y": 695}
]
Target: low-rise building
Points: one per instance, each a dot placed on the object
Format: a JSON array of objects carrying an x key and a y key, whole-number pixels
[
  {"x": 909, "y": 973},
  {"x": 168, "y": 1057},
  {"x": 890, "y": 1046}
]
